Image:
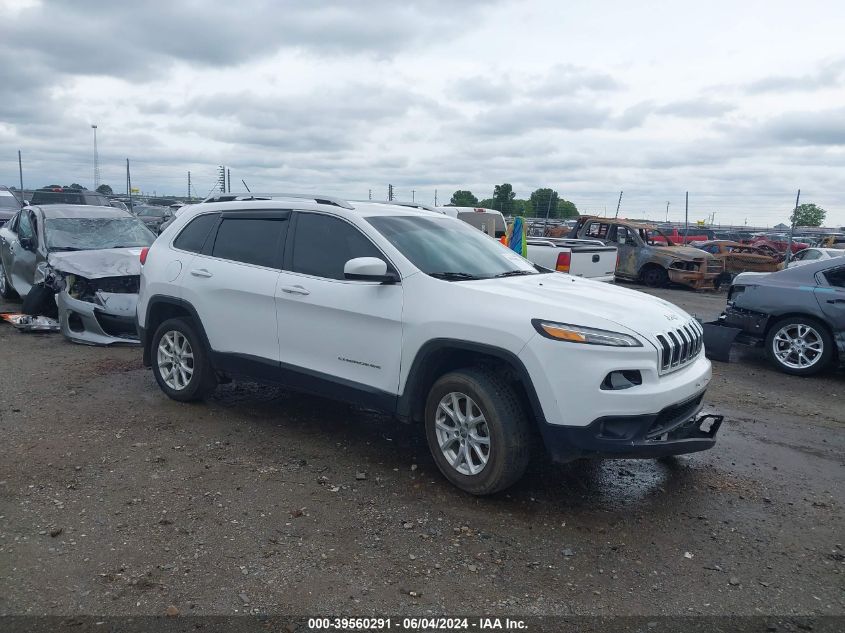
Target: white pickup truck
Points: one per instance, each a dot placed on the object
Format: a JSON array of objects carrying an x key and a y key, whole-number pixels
[{"x": 590, "y": 259}]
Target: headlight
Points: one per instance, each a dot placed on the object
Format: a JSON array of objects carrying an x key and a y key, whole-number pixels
[{"x": 586, "y": 335}]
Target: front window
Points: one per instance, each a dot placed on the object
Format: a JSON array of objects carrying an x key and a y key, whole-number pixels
[
  {"x": 85, "y": 234},
  {"x": 153, "y": 213},
  {"x": 450, "y": 249}
]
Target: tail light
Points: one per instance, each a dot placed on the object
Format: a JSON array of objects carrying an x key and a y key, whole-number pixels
[
  {"x": 564, "y": 260},
  {"x": 144, "y": 252}
]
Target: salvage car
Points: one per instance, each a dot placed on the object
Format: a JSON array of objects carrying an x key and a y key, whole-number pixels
[
  {"x": 427, "y": 318},
  {"x": 77, "y": 263},
  {"x": 154, "y": 217},
  {"x": 814, "y": 254},
  {"x": 739, "y": 258},
  {"x": 797, "y": 314},
  {"x": 648, "y": 255}
]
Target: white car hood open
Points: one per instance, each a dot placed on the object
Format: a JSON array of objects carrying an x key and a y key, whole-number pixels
[{"x": 110, "y": 262}]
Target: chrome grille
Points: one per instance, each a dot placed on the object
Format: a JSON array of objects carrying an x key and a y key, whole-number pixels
[{"x": 680, "y": 345}]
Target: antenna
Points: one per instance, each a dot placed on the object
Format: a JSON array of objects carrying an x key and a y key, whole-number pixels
[{"x": 618, "y": 204}]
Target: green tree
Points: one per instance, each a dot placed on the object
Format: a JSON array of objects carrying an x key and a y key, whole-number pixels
[
  {"x": 543, "y": 201},
  {"x": 808, "y": 214},
  {"x": 567, "y": 209},
  {"x": 105, "y": 190},
  {"x": 76, "y": 185},
  {"x": 503, "y": 196},
  {"x": 463, "y": 198},
  {"x": 487, "y": 203}
]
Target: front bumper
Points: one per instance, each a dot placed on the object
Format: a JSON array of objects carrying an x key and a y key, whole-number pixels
[
  {"x": 676, "y": 430},
  {"x": 694, "y": 279},
  {"x": 93, "y": 324}
]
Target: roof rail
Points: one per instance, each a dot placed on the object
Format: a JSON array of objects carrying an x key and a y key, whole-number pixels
[
  {"x": 405, "y": 203},
  {"x": 318, "y": 198}
]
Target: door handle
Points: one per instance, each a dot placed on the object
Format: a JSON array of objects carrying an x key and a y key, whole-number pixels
[
  {"x": 295, "y": 290},
  {"x": 201, "y": 272}
]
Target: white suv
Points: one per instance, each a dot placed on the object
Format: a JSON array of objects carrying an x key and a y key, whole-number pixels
[{"x": 423, "y": 316}]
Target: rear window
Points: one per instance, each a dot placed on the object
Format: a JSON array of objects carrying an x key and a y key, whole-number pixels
[
  {"x": 836, "y": 277},
  {"x": 250, "y": 240},
  {"x": 192, "y": 237}
]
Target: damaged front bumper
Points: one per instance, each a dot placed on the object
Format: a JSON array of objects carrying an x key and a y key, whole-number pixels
[
  {"x": 109, "y": 321},
  {"x": 676, "y": 430},
  {"x": 694, "y": 279}
]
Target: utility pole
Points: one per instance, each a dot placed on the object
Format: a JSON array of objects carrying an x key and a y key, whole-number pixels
[
  {"x": 20, "y": 173},
  {"x": 390, "y": 192},
  {"x": 548, "y": 210},
  {"x": 369, "y": 194},
  {"x": 189, "y": 186},
  {"x": 667, "y": 211},
  {"x": 413, "y": 191},
  {"x": 618, "y": 204},
  {"x": 435, "y": 197},
  {"x": 221, "y": 178},
  {"x": 128, "y": 184},
  {"x": 96, "y": 159},
  {"x": 792, "y": 230},
  {"x": 229, "y": 173},
  {"x": 686, "y": 215}
]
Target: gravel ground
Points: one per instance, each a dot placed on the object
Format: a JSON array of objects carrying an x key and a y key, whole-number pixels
[{"x": 115, "y": 500}]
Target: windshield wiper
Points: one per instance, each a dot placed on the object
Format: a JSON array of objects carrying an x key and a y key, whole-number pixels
[
  {"x": 516, "y": 273},
  {"x": 64, "y": 248},
  {"x": 454, "y": 276}
]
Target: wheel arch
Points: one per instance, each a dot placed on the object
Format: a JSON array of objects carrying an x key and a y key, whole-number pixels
[
  {"x": 161, "y": 308},
  {"x": 440, "y": 356}
]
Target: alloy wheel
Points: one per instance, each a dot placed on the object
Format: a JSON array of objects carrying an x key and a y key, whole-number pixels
[
  {"x": 462, "y": 433},
  {"x": 175, "y": 359},
  {"x": 798, "y": 346}
]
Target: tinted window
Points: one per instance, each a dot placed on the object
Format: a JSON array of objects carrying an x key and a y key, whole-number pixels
[
  {"x": 250, "y": 240},
  {"x": 324, "y": 244},
  {"x": 836, "y": 277},
  {"x": 193, "y": 236}
]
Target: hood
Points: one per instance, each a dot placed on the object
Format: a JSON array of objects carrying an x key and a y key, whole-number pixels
[
  {"x": 684, "y": 252},
  {"x": 577, "y": 301},
  {"x": 110, "y": 262}
]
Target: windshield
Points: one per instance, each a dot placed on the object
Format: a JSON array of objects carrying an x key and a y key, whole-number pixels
[
  {"x": 85, "y": 234},
  {"x": 153, "y": 212},
  {"x": 450, "y": 249}
]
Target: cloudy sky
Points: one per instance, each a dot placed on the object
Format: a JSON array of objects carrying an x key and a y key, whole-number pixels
[{"x": 741, "y": 103}]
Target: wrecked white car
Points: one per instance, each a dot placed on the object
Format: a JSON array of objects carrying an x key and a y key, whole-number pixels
[{"x": 80, "y": 264}]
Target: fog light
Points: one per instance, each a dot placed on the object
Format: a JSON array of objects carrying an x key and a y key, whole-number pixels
[{"x": 624, "y": 379}]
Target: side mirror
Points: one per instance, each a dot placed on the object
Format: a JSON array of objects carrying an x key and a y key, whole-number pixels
[{"x": 368, "y": 269}]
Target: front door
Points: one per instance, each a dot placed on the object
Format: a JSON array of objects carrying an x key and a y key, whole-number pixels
[
  {"x": 831, "y": 296},
  {"x": 340, "y": 334},
  {"x": 23, "y": 259}
]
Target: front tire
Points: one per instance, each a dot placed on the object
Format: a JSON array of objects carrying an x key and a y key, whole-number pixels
[
  {"x": 477, "y": 430},
  {"x": 800, "y": 346},
  {"x": 181, "y": 364},
  {"x": 654, "y": 276}
]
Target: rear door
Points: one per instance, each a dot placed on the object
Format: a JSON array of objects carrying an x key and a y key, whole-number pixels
[
  {"x": 831, "y": 295},
  {"x": 331, "y": 329},
  {"x": 232, "y": 286}
]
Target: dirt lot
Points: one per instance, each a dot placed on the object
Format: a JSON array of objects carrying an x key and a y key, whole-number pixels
[{"x": 116, "y": 500}]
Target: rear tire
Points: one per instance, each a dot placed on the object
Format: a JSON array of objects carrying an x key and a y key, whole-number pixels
[
  {"x": 6, "y": 290},
  {"x": 181, "y": 364},
  {"x": 800, "y": 346},
  {"x": 479, "y": 457},
  {"x": 654, "y": 276}
]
